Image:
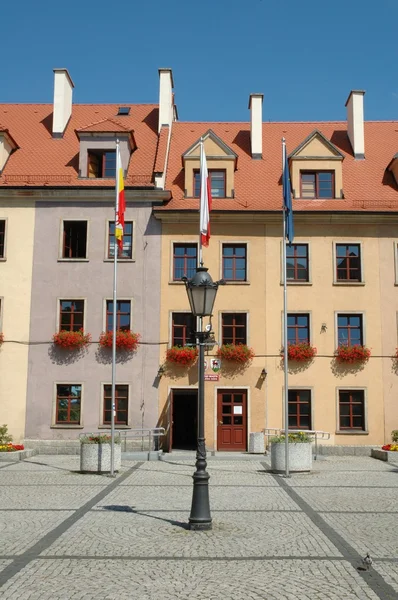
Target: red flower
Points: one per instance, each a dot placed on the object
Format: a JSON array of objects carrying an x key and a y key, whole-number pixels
[
  {"x": 239, "y": 353},
  {"x": 72, "y": 340},
  {"x": 386, "y": 447},
  {"x": 300, "y": 352},
  {"x": 352, "y": 354},
  {"x": 184, "y": 356},
  {"x": 125, "y": 340}
]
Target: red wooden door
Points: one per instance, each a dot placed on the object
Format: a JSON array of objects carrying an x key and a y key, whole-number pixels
[{"x": 232, "y": 420}]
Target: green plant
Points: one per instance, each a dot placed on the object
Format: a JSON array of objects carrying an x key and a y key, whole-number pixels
[
  {"x": 100, "y": 438},
  {"x": 293, "y": 438},
  {"x": 394, "y": 435},
  {"x": 5, "y": 437}
]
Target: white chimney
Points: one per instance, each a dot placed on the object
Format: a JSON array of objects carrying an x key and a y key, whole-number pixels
[
  {"x": 256, "y": 124},
  {"x": 62, "y": 108},
  {"x": 355, "y": 122},
  {"x": 166, "y": 103}
]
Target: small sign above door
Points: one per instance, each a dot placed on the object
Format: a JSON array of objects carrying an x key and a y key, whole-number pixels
[{"x": 212, "y": 377}]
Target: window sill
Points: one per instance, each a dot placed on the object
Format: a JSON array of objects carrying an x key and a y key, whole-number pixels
[
  {"x": 352, "y": 432},
  {"x": 117, "y": 427},
  {"x": 73, "y": 260},
  {"x": 66, "y": 426},
  {"x": 120, "y": 260},
  {"x": 176, "y": 283},
  {"x": 345, "y": 283},
  {"x": 3, "y": 259},
  {"x": 297, "y": 283},
  {"x": 236, "y": 282}
]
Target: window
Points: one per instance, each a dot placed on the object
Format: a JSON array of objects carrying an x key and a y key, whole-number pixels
[
  {"x": 317, "y": 184},
  {"x": 217, "y": 181},
  {"x": 298, "y": 329},
  {"x": 184, "y": 261},
  {"x": 74, "y": 239},
  {"x": 68, "y": 409},
  {"x": 348, "y": 262},
  {"x": 234, "y": 328},
  {"x": 127, "y": 251},
  {"x": 121, "y": 404},
  {"x": 352, "y": 409},
  {"x": 299, "y": 402},
  {"x": 234, "y": 262},
  {"x": 349, "y": 330},
  {"x": 71, "y": 315},
  {"x": 101, "y": 164},
  {"x": 183, "y": 329},
  {"x": 297, "y": 262},
  {"x": 2, "y": 238},
  {"x": 123, "y": 315}
]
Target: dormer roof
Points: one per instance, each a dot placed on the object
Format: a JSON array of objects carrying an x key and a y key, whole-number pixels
[
  {"x": 225, "y": 153},
  {"x": 104, "y": 126},
  {"x": 304, "y": 151}
]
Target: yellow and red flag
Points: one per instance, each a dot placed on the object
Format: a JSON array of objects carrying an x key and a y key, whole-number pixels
[{"x": 119, "y": 226}]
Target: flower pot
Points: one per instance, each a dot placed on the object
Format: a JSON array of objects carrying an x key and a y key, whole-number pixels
[
  {"x": 96, "y": 458},
  {"x": 300, "y": 457}
]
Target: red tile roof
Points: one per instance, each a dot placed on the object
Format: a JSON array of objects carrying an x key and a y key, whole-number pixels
[
  {"x": 257, "y": 184},
  {"x": 44, "y": 160}
]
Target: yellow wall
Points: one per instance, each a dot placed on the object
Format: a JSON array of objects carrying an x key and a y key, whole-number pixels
[
  {"x": 15, "y": 291},
  {"x": 262, "y": 298}
]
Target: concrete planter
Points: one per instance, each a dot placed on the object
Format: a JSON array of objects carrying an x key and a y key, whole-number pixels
[
  {"x": 96, "y": 458},
  {"x": 300, "y": 457},
  {"x": 385, "y": 455}
]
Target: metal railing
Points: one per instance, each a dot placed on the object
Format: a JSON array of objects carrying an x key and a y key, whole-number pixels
[
  {"x": 312, "y": 433},
  {"x": 150, "y": 438}
]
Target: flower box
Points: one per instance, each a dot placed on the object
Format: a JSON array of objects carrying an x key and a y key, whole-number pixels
[
  {"x": 352, "y": 354},
  {"x": 11, "y": 447},
  {"x": 125, "y": 340},
  {"x": 72, "y": 340},
  {"x": 300, "y": 453},
  {"x": 183, "y": 356},
  {"x": 300, "y": 352},
  {"x": 238, "y": 353},
  {"x": 95, "y": 453}
]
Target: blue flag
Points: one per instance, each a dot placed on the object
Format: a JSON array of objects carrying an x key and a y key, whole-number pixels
[{"x": 287, "y": 201}]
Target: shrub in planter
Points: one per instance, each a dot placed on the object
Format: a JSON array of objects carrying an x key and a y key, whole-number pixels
[
  {"x": 239, "y": 353},
  {"x": 300, "y": 352},
  {"x": 184, "y": 356},
  {"x": 6, "y": 444},
  {"x": 352, "y": 354},
  {"x": 394, "y": 435},
  {"x": 95, "y": 453},
  {"x": 125, "y": 340},
  {"x": 72, "y": 340},
  {"x": 300, "y": 452}
]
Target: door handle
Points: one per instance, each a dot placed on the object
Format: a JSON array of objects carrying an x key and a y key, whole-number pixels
[{"x": 220, "y": 422}]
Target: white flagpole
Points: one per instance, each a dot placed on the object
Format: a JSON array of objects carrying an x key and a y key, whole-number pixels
[
  {"x": 285, "y": 360},
  {"x": 113, "y": 401}
]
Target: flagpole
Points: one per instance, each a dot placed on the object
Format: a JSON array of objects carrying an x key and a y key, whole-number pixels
[
  {"x": 200, "y": 257},
  {"x": 285, "y": 353},
  {"x": 114, "y": 328}
]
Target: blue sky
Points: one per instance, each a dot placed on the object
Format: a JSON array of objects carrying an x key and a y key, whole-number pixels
[{"x": 304, "y": 55}]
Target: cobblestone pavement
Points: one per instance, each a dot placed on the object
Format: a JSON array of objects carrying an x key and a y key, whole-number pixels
[{"x": 65, "y": 535}]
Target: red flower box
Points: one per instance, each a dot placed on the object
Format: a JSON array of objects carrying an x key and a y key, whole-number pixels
[
  {"x": 239, "y": 353},
  {"x": 125, "y": 340},
  {"x": 184, "y": 356},
  {"x": 352, "y": 354},
  {"x": 300, "y": 352},
  {"x": 72, "y": 340}
]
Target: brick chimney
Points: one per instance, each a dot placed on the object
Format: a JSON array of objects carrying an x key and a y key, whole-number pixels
[
  {"x": 62, "y": 108},
  {"x": 355, "y": 123}
]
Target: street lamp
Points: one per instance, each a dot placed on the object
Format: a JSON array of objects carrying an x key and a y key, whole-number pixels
[{"x": 202, "y": 291}]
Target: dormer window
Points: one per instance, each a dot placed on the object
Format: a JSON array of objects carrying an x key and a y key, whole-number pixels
[
  {"x": 101, "y": 164},
  {"x": 316, "y": 184},
  {"x": 217, "y": 180}
]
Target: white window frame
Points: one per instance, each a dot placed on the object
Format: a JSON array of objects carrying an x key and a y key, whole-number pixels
[
  {"x": 365, "y": 406},
  {"x": 297, "y": 242},
  {"x": 61, "y": 242},
  {"x": 348, "y": 243},
  {"x": 55, "y": 425},
  {"x": 240, "y": 243},
  {"x": 120, "y": 260}
]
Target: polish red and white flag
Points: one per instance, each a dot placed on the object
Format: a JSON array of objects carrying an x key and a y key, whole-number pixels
[{"x": 205, "y": 199}]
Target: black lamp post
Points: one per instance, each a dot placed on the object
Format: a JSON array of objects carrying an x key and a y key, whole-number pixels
[{"x": 202, "y": 291}]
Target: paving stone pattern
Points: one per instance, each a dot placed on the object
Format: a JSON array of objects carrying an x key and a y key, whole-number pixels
[{"x": 66, "y": 536}]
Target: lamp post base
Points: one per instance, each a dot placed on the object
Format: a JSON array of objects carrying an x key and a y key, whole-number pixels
[{"x": 200, "y": 517}]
